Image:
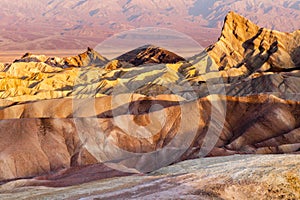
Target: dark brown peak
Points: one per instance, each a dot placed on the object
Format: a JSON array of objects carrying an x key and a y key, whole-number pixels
[
  {"x": 150, "y": 54},
  {"x": 26, "y": 55},
  {"x": 147, "y": 46},
  {"x": 90, "y": 49}
]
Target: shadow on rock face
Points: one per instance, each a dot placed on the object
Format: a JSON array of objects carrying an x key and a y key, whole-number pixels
[{"x": 296, "y": 56}]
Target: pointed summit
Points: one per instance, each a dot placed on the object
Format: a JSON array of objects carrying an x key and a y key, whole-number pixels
[
  {"x": 149, "y": 54},
  {"x": 89, "y": 57},
  {"x": 238, "y": 26},
  {"x": 245, "y": 48}
]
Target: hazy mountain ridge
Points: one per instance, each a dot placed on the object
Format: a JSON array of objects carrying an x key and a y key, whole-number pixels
[{"x": 74, "y": 24}]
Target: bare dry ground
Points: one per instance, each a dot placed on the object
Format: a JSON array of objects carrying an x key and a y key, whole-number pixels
[{"x": 265, "y": 177}]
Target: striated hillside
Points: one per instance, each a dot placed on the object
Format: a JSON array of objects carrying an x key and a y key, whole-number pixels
[
  {"x": 149, "y": 108},
  {"x": 264, "y": 124}
]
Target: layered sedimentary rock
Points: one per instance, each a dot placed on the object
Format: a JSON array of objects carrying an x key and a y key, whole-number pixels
[
  {"x": 149, "y": 108},
  {"x": 146, "y": 128}
]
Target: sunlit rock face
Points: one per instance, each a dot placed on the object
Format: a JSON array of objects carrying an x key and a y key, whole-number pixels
[
  {"x": 65, "y": 118},
  {"x": 244, "y": 44}
]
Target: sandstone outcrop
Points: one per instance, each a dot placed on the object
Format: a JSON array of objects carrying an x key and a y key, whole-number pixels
[{"x": 245, "y": 47}]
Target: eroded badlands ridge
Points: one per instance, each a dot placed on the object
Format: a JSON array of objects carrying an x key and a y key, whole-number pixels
[{"x": 149, "y": 108}]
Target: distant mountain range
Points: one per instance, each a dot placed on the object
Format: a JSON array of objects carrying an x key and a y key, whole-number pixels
[{"x": 62, "y": 24}]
